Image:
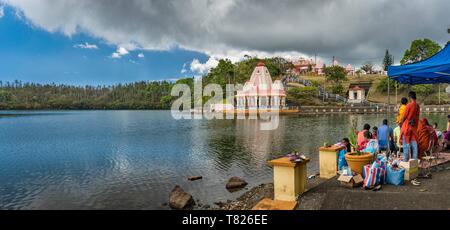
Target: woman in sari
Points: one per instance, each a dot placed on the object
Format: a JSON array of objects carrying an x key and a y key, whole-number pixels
[{"x": 425, "y": 133}]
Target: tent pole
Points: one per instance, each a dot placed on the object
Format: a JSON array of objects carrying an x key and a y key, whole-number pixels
[
  {"x": 396, "y": 94},
  {"x": 439, "y": 85},
  {"x": 389, "y": 95}
]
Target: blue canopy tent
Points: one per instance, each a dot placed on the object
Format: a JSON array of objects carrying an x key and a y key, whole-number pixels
[{"x": 433, "y": 70}]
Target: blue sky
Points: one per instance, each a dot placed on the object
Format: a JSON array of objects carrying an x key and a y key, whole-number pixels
[
  {"x": 38, "y": 45},
  {"x": 30, "y": 54}
]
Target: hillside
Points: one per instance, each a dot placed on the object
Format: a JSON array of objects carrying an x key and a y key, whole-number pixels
[{"x": 426, "y": 95}]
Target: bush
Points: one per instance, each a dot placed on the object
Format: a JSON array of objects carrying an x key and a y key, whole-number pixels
[
  {"x": 307, "y": 91},
  {"x": 383, "y": 85},
  {"x": 315, "y": 83},
  {"x": 335, "y": 74},
  {"x": 337, "y": 89},
  {"x": 423, "y": 90}
]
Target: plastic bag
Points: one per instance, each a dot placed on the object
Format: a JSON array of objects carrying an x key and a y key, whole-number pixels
[
  {"x": 372, "y": 175},
  {"x": 395, "y": 176},
  {"x": 371, "y": 147},
  {"x": 382, "y": 162}
]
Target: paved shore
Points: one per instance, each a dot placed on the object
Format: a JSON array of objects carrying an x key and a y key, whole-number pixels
[{"x": 328, "y": 195}]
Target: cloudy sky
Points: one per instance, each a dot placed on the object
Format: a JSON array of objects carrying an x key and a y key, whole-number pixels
[{"x": 110, "y": 41}]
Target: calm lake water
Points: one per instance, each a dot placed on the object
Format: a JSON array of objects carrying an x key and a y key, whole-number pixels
[{"x": 132, "y": 159}]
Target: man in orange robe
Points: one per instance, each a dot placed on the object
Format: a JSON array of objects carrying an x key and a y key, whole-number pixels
[{"x": 408, "y": 132}]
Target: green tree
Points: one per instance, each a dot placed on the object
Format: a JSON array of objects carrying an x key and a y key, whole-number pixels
[
  {"x": 388, "y": 60},
  {"x": 358, "y": 73},
  {"x": 137, "y": 95},
  {"x": 419, "y": 50},
  {"x": 278, "y": 65},
  {"x": 4, "y": 96},
  {"x": 166, "y": 102},
  {"x": 423, "y": 90},
  {"x": 335, "y": 74},
  {"x": 368, "y": 67},
  {"x": 222, "y": 74},
  {"x": 337, "y": 89},
  {"x": 383, "y": 85}
]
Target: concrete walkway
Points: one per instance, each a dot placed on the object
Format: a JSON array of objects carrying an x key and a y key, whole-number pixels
[{"x": 431, "y": 194}]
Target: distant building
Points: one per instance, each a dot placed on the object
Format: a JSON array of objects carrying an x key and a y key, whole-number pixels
[
  {"x": 350, "y": 70},
  {"x": 356, "y": 95},
  {"x": 303, "y": 66},
  {"x": 260, "y": 92},
  {"x": 335, "y": 62},
  {"x": 318, "y": 68},
  {"x": 378, "y": 70},
  {"x": 358, "y": 92},
  {"x": 361, "y": 72},
  {"x": 447, "y": 90}
]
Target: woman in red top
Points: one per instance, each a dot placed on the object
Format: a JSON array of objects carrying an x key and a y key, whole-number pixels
[{"x": 364, "y": 136}]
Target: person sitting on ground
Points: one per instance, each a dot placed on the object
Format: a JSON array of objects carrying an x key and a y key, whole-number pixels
[
  {"x": 401, "y": 110},
  {"x": 385, "y": 135},
  {"x": 375, "y": 132},
  {"x": 362, "y": 135}
]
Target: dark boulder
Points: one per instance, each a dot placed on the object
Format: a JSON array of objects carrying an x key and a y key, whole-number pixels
[
  {"x": 179, "y": 199},
  {"x": 236, "y": 183}
]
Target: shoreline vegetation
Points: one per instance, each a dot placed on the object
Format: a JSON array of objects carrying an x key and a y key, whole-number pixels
[{"x": 155, "y": 95}]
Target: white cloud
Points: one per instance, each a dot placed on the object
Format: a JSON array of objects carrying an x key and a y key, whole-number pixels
[
  {"x": 121, "y": 51},
  {"x": 115, "y": 55},
  {"x": 235, "y": 56},
  {"x": 141, "y": 55},
  {"x": 86, "y": 46},
  {"x": 2, "y": 13},
  {"x": 184, "y": 70},
  {"x": 203, "y": 68},
  {"x": 351, "y": 30}
]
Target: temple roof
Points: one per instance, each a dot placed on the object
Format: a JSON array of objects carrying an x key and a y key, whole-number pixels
[
  {"x": 261, "y": 63},
  {"x": 260, "y": 84}
]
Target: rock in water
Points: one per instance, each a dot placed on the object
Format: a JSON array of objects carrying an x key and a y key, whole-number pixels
[
  {"x": 179, "y": 199},
  {"x": 192, "y": 178},
  {"x": 236, "y": 183}
]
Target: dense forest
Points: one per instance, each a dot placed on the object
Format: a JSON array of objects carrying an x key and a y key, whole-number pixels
[{"x": 138, "y": 95}]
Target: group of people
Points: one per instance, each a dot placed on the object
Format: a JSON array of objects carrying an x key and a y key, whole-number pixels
[{"x": 411, "y": 134}]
